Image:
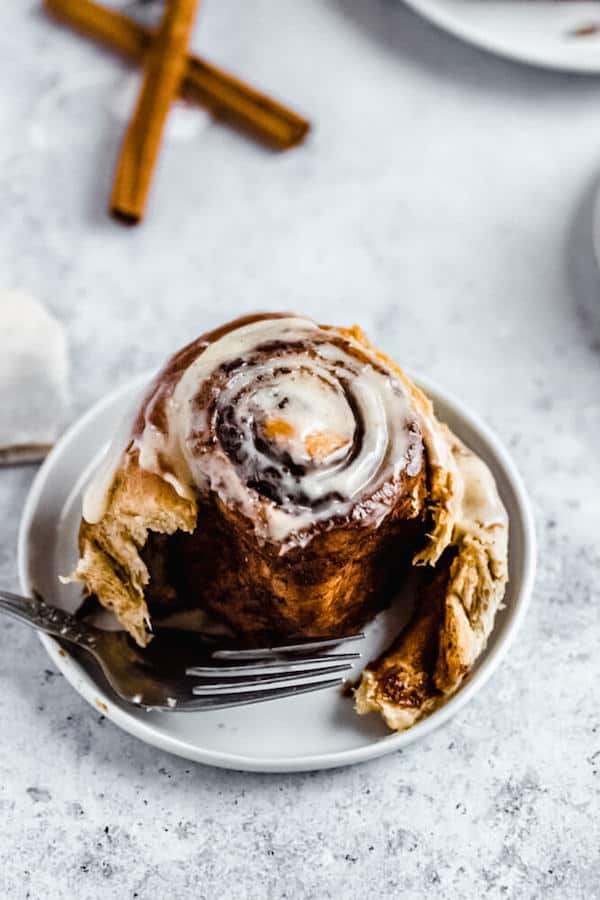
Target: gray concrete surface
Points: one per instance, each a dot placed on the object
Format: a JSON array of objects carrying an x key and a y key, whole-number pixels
[{"x": 443, "y": 202}]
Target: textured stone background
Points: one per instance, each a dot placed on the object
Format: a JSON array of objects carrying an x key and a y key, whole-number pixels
[{"x": 444, "y": 202}]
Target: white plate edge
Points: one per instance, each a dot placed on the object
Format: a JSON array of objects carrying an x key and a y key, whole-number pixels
[{"x": 429, "y": 10}]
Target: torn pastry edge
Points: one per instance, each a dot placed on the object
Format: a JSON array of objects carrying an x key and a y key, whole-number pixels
[
  {"x": 477, "y": 578},
  {"x": 445, "y": 487},
  {"x": 110, "y": 565}
]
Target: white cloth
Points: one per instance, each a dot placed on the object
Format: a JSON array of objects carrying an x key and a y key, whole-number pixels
[{"x": 33, "y": 378}]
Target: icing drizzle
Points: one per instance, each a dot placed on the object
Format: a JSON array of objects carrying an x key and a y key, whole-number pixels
[{"x": 290, "y": 422}]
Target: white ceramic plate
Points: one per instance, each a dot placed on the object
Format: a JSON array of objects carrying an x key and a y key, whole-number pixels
[
  {"x": 316, "y": 731},
  {"x": 549, "y": 33}
]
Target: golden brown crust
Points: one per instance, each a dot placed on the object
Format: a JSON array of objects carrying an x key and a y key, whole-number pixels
[
  {"x": 454, "y": 616},
  {"x": 400, "y": 683}
]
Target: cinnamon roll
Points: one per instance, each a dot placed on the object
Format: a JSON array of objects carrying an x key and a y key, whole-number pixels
[{"x": 281, "y": 476}]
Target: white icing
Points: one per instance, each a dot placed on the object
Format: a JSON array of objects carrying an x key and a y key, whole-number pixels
[
  {"x": 316, "y": 403},
  {"x": 95, "y": 498},
  {"x": 280, "y": 406},
  {"x": 481, "y": 505},
  {"x": 96, "y": 495},
  {"x": 311, "y": 406}
]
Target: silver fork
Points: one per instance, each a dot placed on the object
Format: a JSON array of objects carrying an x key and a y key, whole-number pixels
[{"x": 159, "y": 677}]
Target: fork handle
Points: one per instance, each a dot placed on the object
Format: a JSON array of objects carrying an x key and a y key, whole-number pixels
[{"x": 49, "y": 619}]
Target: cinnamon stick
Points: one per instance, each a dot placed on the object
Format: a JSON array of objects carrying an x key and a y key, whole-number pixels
[
  {"x": 164, "y": 66},
  {"x": 227, "y": 97}
]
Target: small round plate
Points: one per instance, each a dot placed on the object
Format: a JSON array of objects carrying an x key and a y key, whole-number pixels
[
  {"x": 314, "y": 731},
  {"x": 544, "y": 33}
]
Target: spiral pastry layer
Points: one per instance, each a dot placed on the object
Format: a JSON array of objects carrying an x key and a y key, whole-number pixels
[{"x": 290, "y": 423}]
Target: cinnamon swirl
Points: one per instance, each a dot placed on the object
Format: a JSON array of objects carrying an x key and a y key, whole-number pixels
[{"x": 280, "y": 476}]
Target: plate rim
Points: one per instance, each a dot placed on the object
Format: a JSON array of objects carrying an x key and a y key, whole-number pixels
[
  {"x": 441, "y": 18},
  {"x": 151, "y": 734}
]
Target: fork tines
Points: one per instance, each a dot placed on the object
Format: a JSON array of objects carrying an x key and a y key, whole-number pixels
[
  {"x": 274, "y": 672},
  {"x": 286, "y": 649}
]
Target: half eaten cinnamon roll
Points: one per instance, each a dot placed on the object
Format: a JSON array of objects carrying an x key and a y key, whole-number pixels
[{"x": 281, "y": 477}]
